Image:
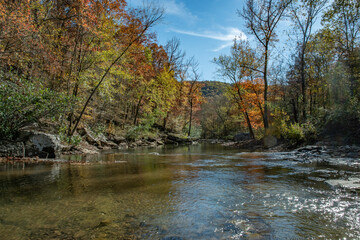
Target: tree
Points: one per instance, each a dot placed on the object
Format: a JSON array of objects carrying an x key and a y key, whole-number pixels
[
  {"x": 193, "y": 93},
  {"x": 240, "y": 65},
  {"x": 261, "y": 18},
  {"x": 304, "y": 13},
  {"x": 148, "y": 16},
  {"x": 343, "y": 18}
]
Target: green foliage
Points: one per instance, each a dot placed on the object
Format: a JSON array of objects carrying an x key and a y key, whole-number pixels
[
  {"x": 73, "y": 140},
  {"x": 345, "y": 117},
  {"x": 293, "y": 133},
  {"x": 141, "y": 131},
  {"x": 218, "y": 119},
  {"x": 23, "y": 102},
  {"x": 98, "y": 129},
  {"x": 213, "y": 88}
]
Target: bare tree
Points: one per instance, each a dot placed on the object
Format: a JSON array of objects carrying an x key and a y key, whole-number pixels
[
  {"x": 175, "y": 55},
  {"x": 304, "y": 13},
  {"x": 261, "y": 18}
]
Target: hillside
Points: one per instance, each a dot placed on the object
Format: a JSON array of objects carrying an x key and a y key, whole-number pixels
[{"x": 213, "y": 88}]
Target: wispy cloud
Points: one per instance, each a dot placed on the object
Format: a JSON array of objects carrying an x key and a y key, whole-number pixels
[
  {"x": 171, "y": 7},
  {"x": 227, "y": 36}
]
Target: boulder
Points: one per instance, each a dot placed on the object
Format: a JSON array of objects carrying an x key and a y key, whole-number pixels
[
  {"x": 159, "y": 142},
  {"x": 105, "y": 143},
  {"x": 85, "y": 148},
  {"x": 242, "y": 137},
  {"x": 90, "y": 137},
  {"x": 117, "y": 139},
  {"x": 42, "y": 145},
  {"x": 123, "y": 146},
  {"x": 270, "y": 141},
  {"x": 172, "y": 139}
]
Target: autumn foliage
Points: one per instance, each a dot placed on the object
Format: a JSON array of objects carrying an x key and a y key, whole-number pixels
[{"x": 99, "y": 55}]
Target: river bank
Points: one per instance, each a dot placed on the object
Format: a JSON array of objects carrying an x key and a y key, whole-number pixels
[{"x": 35, "y": 143}]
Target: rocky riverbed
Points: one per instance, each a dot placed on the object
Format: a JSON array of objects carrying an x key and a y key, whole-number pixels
[{"x": 338, "y": 166}]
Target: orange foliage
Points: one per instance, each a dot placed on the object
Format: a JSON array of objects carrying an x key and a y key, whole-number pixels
[{"x": 252, "y": 100}]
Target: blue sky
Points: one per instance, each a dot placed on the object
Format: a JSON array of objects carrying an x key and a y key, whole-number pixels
[{"x": 206, "y": 28}]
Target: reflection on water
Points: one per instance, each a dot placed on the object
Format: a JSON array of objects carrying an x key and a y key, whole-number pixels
[{"x": 196, "y": 192}]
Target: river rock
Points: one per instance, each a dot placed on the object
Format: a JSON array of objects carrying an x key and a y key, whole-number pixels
[
  {"x": 172, "y": 238},
  {"x": 85, "y": 148},
  {"x": 351, "y": 183},
  {"x": 172, "y": 139},
  {"x": 123, "y": 146},
  {"x": 13, "y": 149},
  {"x": 89, "y": 136},
  {"x": 159, "y": 142},
  {"x": 117, "y": 139},
  {"x": 242, "y": 137}
]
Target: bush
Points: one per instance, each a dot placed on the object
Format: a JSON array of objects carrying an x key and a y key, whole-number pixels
[
  {"x": 294, "y": 133},
  {"x": 141, "y": 131},
  {"x": 23, "y": 103}
]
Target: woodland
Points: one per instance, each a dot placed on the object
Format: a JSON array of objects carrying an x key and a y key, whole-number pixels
[{"x": 98, "y": 63}]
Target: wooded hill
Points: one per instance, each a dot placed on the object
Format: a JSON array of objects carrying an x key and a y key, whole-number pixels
[{"x": 98, "y": 64}]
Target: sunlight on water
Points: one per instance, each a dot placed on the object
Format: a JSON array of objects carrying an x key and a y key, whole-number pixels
[{"x": 197, "y": 192}]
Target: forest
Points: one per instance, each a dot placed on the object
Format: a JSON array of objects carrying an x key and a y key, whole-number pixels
[{"x": 98, "y": 64}]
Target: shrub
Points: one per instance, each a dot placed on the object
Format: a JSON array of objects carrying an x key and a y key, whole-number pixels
[
  {"x": 23, "y": 103},
  {"x": 294, "y": 133}
]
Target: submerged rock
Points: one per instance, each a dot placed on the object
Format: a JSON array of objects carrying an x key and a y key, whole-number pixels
[
  {"x": 172, "y": 238},
  {"x": 351, "y": 183}
]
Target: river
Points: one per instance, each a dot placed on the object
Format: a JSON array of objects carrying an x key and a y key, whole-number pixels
[{"x": 189, "y": 192}]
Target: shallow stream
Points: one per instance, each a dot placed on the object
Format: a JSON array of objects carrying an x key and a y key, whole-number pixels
[{"x": 190, "y": 192}]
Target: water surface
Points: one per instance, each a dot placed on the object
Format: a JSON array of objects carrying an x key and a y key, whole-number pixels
[{"x": 192, "y": 192}]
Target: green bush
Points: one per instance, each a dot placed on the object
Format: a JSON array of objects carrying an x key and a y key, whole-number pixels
[
  {"x": 141, "y": 131},
  {"x": 294, "y": 133},
  {"x": 23, "y": 103}
]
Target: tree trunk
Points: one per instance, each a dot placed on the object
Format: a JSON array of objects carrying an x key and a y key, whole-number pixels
[
  {"x": 266, "y": 110},
  {"x": 137, "y": 110},
  {"x": 303, "y": 83},
  {"x": 246, "y": 115},
  {"x": 190, "y": 120},
  {"x": 249, "y": 125}
]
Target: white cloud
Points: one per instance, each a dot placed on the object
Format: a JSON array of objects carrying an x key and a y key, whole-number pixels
[
  {"x": 228, "y": 44},
  {"x": 227, "y": 36},
  {"x": 171, "y": 7}
]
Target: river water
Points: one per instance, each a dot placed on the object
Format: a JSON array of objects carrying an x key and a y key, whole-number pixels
[{"x": 190, "y": 192}]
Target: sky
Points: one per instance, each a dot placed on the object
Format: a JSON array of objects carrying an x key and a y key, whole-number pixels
[{"x": 206, "y": 29}]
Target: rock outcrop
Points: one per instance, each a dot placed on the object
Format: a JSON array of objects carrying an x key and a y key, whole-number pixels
[
  {"x": 42, "y": 145},
  {"x": 32, "y": 144}
]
